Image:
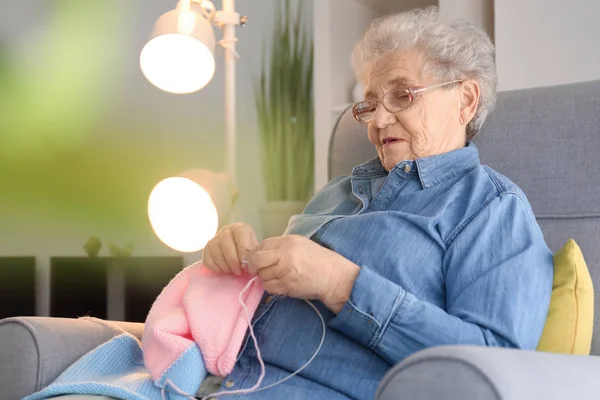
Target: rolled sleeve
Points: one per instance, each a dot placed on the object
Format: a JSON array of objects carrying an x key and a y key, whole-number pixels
[{"x": 374, "y": 300}]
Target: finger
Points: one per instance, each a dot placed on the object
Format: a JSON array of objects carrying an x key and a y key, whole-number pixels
[
  {"x": 208, "y": 261},
  {"x": 245, "y": 240},
  {"x": 227, "y": 244},
  {"x": 274, "y": 272},
  {"x": 216, "y": 254},
  {"x": 270, "y": 243},
  {"x": 263, "y": 259}
]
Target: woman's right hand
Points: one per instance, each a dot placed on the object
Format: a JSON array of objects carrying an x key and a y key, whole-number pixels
[{"x": 225, "y": 252}]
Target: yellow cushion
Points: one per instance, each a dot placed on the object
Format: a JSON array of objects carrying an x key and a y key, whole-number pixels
[{"x": 570, "y": 319}]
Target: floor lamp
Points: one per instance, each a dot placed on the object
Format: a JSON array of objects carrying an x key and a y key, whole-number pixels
[{"x": 179, "y": 58}]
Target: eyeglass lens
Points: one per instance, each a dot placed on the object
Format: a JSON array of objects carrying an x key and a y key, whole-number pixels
[{"x": 393, "y": 101}]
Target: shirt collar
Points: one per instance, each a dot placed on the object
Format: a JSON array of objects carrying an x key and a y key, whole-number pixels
[{"x": 430, "y": 170}]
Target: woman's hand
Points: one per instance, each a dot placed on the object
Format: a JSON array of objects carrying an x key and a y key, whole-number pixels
[
  {"x": 225, "y": 252},
  {"x": 298, "y": 267}
]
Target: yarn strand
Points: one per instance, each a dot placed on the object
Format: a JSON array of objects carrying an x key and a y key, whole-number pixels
[{"x": 256, "y": 387}]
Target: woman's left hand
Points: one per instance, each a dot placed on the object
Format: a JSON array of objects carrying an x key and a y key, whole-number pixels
[{"x": 298, "y": 267}]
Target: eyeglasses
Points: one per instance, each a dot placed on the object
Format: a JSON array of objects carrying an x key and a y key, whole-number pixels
[{"x": 393, "y": 101}]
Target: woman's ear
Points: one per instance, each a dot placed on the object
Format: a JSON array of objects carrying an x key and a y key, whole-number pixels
[{"x": 469, "y": 100}]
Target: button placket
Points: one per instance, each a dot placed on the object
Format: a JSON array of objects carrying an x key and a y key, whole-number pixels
[
  {"x": 387, "y": 191},
  {"x": 360, "y": 188}
]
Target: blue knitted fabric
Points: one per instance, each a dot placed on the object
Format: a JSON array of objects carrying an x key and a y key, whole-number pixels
[{"x": 116, "y": 369}]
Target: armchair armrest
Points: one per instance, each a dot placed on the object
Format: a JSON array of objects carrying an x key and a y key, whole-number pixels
[
  {"x": 35, "y": 350},
  {"x": 466, "y": 372}
]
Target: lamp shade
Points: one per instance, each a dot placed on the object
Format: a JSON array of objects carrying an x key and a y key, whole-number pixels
[
  {"x": 185, "y": 210},
  {"x": 179, "y": 57}
]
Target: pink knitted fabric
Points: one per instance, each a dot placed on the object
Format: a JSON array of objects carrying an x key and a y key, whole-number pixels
[{"x": 199, "y": 307}]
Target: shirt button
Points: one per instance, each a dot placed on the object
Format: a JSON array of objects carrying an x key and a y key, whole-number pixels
[
  {"x": 407, "y": 168},
  {"x": 360, "y": 189},
  {"x": 268, "y": 299},
  {"x": 229, "y": 384}
]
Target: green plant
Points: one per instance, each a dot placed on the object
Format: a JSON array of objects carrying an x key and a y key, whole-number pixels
[
  {"x": 92, "y": 246},
  {"x": 115, "y": 251},
  {"x": 284, "y": 104}
]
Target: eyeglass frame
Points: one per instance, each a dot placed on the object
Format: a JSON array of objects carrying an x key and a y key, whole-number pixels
[{"x": 412, "y": 92}]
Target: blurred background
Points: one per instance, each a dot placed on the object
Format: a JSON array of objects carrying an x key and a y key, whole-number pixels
[{"x": 84, "y": 137}]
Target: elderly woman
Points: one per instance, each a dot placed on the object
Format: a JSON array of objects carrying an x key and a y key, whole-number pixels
[{"x": 421, "y": 247}]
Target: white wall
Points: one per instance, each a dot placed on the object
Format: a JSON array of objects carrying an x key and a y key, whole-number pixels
[
  {"x": 338, "y": 25},
  {"x": 169, "y": 133},
  {"x": 546, "y": 42},
  {"x": 480, "y": 12}
]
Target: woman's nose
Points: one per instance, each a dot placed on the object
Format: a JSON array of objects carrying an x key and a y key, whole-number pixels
[{"x": 383, "y": 117}]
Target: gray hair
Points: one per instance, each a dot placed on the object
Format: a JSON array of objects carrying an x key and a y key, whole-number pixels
[{"x": 452, "y": 50}]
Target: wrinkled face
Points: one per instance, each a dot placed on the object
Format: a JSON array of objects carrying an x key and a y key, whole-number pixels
[{"x": 430, "y": 125}]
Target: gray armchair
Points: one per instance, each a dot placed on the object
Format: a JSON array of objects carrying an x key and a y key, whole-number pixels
[{"x": 547, "y": 140}]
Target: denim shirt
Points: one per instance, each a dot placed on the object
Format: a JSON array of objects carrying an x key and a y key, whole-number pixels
[{"x": 450, "y": 253}]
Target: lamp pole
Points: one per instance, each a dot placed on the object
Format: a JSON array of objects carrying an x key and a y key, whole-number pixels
[
  {"x": 229, "y": 42},
  {"x": 228, "y": 19}
]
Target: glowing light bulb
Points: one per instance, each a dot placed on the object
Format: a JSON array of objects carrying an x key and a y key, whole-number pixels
[
  {"x": 179, "y": 58},
  {"x": 182, "y": 214}
]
